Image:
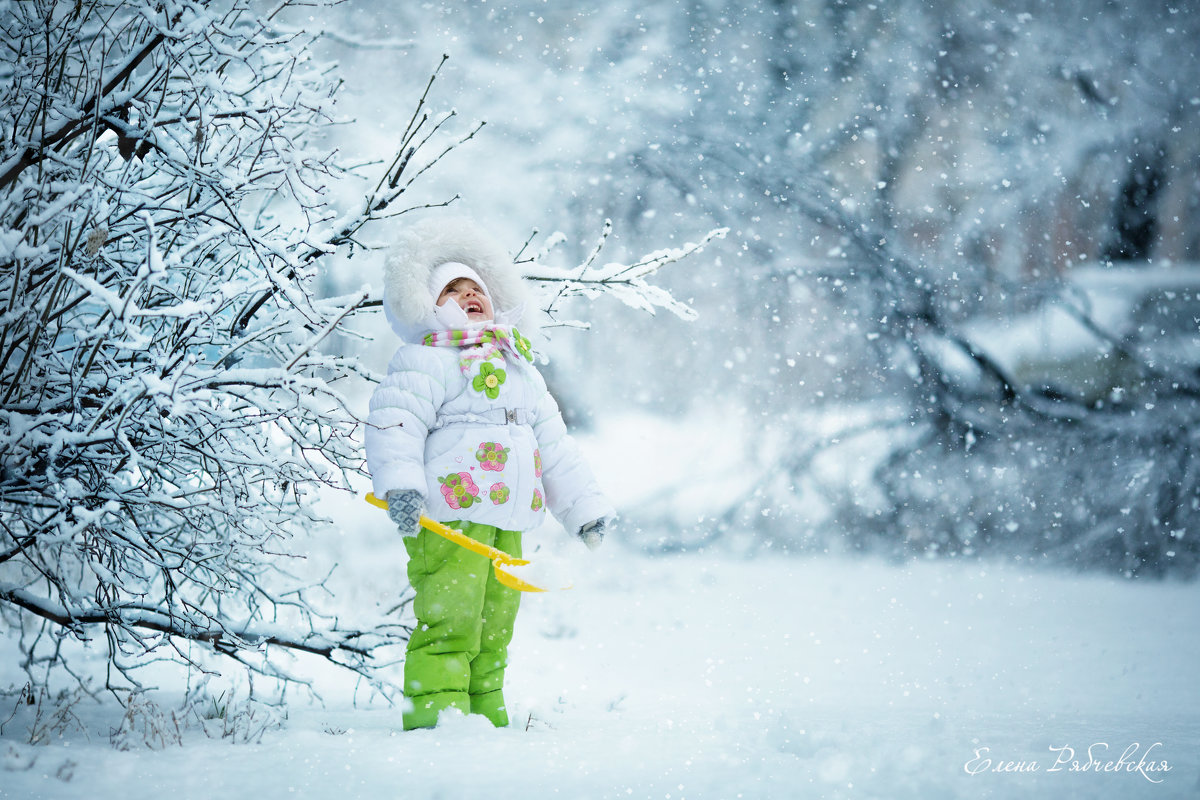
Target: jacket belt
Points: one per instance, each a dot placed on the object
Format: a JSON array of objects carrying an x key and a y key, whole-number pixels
[{"x": 493, "y": 416}]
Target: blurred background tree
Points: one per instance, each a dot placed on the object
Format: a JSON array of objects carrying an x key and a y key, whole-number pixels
[{"x": 960, "y": 280}]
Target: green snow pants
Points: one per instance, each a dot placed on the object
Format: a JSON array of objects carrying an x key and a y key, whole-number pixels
[{"x": 459, "y": 648}]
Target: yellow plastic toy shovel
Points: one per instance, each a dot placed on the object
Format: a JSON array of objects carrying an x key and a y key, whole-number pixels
[{"x": 499, "y": 558}]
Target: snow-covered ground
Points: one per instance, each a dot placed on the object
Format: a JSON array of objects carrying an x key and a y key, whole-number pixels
[
  {"x": 709, "y": 676},
  {"x": 694, "y": 677}
]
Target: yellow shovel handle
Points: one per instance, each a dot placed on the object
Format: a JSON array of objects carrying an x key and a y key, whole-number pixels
[
  {"x": 499, "y": 558},
  {"x": 459, "y": 538}
]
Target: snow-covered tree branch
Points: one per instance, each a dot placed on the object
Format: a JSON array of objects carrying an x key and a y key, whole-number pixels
[{"x": 626, "y": 282}]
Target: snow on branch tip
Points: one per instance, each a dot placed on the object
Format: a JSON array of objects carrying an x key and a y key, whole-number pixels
[{"x": 624, "y": 281}]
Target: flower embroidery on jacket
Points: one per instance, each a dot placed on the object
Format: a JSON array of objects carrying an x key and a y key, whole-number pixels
[
  {"x": 538, "y": 502},
  {"x": 537, "y": 463},
  {"x": 499, "y": 494},
  {"x": 489, "y": 380},
  {"x": 491, "y": 456},
  {"x": 523, "y": 345},
  {"x": 459, "y": 490}
]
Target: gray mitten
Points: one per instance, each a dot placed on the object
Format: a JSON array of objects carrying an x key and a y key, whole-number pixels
[
  {"x": 405, "y": 507},
  {"x": 592, "y": 534}
]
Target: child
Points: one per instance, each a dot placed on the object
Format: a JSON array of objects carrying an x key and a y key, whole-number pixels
[{"x": 464, "y": 429}]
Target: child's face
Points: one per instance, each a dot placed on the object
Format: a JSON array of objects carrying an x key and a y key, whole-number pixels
[{"x": 470, "y": 298}]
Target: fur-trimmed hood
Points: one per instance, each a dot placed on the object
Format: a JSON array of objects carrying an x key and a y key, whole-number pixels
[{"x": 408, "y": 299}]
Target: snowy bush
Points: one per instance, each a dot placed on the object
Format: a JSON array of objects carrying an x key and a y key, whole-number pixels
[
  {"x": 965, "y": 457},
  {"x": 168, "y": 398},
  {"x": 165, "y": 406}
]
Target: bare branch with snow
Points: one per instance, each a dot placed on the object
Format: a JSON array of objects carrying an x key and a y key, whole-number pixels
[{"x": 626, "y": 282}]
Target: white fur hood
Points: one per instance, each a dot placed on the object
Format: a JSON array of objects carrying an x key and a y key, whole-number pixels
[{"x": 409, "y": 301}]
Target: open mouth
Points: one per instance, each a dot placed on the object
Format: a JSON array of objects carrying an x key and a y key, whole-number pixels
[{"x": 473, "y": 307}]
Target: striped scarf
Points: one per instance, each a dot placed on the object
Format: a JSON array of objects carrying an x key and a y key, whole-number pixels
[{"x": 494, "y": 339}]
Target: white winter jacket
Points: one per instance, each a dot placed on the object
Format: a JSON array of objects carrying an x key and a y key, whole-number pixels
[{"x": 473, "y": 428}]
